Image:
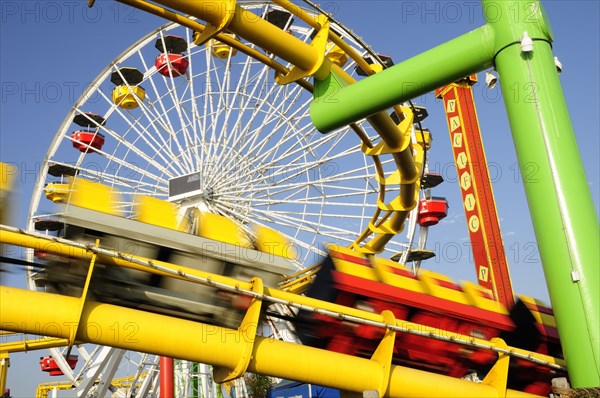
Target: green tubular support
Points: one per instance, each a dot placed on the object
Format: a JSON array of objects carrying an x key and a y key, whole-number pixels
[
  {"x": 559, "y": 197},
  {"x": 336, "y": 105}
]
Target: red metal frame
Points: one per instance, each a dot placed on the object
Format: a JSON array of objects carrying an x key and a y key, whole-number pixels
[{"x": 167, "y": 378}]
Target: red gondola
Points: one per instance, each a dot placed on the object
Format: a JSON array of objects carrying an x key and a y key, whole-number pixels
[
  {"x": 171, "y": 65},
  {"x": 48, "y": 364},
  {"x": 431, "y": 211},
  {"x": 87, "y": 141},
  {"x": 171, "y": 62}
]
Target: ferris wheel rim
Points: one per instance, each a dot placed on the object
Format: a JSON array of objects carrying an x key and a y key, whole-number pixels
[
  {"x": 58, "y": 139},
  {"x": 102, "y": 75}
]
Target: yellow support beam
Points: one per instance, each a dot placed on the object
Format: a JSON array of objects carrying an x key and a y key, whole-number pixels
[
  {"x": 233, "y": 350},
  {"x": 307, "y": 59},
  {"x": 73, "y": 249},
  {"x": 162, "y": 335},
  {"x": 310, "y": 20},
  {"x": 4, "y": 365},
  {"x": 45, "y": 388},
  {"x": 222, "y": 37},
  {"x": 32, "y": 345},
  {"x": 247, "y": 25},
  {"x": 59, "y": 247},
  {"x": 82, "y": 299}
]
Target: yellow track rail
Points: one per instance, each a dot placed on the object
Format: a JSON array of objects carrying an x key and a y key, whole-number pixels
[
  {"x": 309, "y": 60},
  {"x": 233, "y": 351},
  {"x": 4, "y": 365},
  {"x": 46, "y": 388},
  {"x": 26, "y": 345}
]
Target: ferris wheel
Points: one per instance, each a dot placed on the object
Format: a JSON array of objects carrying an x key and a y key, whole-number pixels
[{"x": 207, "y": 127}]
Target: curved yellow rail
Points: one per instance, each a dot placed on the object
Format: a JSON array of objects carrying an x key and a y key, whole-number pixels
[
  {"x": 235, "y": 351},
  {"x": 63, "y": 247},
  {"x": 308, "y": 59}
]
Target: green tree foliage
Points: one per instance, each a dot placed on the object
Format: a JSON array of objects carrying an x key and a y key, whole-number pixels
[{"x": 258, "y": 385}]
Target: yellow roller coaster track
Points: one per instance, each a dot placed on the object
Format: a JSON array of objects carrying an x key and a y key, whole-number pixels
[
  {"x": 45, "y": 389},
  {"x": 233, "y": 352},
  {"x": 237, "y": 351},
  {"x": 309, "y": 60}
]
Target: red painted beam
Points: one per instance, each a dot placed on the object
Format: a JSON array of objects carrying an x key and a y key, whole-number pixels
[
  {"x": 167, "y": 378},
  {"x": 476, "y": 189}
]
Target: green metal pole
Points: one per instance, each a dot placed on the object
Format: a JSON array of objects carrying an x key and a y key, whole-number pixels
[
  {"x": 195, "y": 380},
  {"x": 336, "y": 104},
  {"x": 557, "y": 190}
]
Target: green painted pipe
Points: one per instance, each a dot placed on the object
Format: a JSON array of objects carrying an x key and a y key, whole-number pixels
[
  {"x": 195, "y": 380},
  {"x": 557, "y": 190},
  {"x": 336, "y": 105},
  {"x": 559, "y": 198}
]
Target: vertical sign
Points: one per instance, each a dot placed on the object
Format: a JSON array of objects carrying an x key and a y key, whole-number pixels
[{"x": 476, "y": 190}]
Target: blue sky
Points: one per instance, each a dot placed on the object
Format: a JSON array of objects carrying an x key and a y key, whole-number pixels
[{"x": 50, "y": 50}]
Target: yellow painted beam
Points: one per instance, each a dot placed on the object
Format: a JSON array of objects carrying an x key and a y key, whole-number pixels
[
  {"x": 310, "y": 20},
  {"x": 162, "y": 335},
  {"x": 46, "y": 388},
  {"x": 32, "y": 345},
  {"x": 307, "y": 59},
  {"x": 45, "y": 243},
  {"x": 62, "y": 249},
  {"x": 222, "y": 37},
  {"x": 4, "y": 365},
  {"x": 251, "y": 27},
  {"x": 396, "y": 140}
]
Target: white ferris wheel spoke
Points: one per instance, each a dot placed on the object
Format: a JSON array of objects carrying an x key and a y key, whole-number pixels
[{"x": 258, "y": 155}]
